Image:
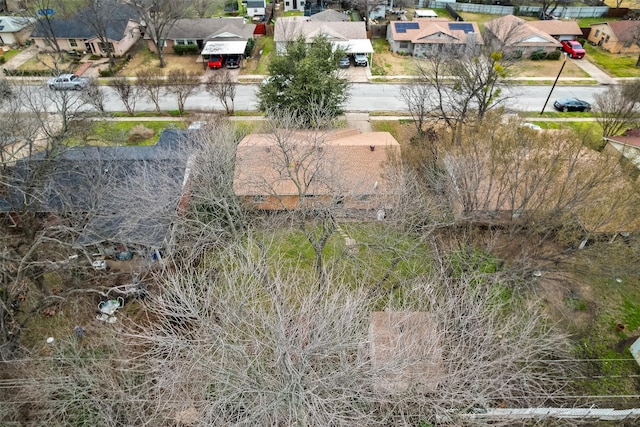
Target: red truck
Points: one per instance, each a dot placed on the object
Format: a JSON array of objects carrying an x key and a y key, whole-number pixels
[{"x": 573, "y": 48}]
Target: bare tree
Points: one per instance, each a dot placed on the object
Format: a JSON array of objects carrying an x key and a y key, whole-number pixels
[
  {"x": 98, "y": 15},
  {"x": 48, "y": 13},
  {"x": 508, "y": 174},
  {"x": 127, "y": 93},
  {"x": 159, "y": 17},
  {"x": 456, "y": 88},
  {"x": 95, "y": 97},
  {"x": 151, "y": 81},
  {"x": 183, "y": 83},
  {"x": 223, "y": 86},
  {"x": 618, "y": 108},
  {"x": 287, "y": 353}
]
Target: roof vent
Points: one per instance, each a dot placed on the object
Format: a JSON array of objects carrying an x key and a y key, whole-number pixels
[{"x": 372, "y": 147}]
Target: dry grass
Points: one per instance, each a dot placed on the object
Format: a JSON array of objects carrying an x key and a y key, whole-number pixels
[
  {"x": 145, "y": 59},
  {"x": 528, "y": 68},
  {"x": 47, "y": 61}
]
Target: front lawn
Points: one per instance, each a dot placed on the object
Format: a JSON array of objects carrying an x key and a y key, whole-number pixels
[
  {"x": 117, "y": 132},
  {"x": 618, "y": 65},
  {"x": 144, "y": 59}
]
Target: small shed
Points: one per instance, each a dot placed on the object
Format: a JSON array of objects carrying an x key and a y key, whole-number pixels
[{"x": 425, "y": 13}]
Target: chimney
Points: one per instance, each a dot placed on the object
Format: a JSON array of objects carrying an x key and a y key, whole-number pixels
[{"x": 372, "y": 147}]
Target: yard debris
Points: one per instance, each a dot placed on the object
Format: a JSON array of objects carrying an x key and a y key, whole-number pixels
[
  {"x": 108, "y": 309},
  {"x": 79, "y": 331}
]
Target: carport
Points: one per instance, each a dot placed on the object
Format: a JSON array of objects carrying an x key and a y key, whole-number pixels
[
  {"x": 356, "y": 46},
  {"x": 223, "y": 48}
]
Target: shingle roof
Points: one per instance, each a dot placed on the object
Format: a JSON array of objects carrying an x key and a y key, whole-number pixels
[
  {"x": 514, "y": 31},
  {"x": 625, "y": 30},
  {"x": 557, "y": 27},
  {"x": 435, "y": 31},
  {"x": 84, "y": 179},
  {"x": 346, "y": 160},
  {"x": 77, "y": 27},
  {"x": 287, "y": 29},
  {"x": 206, "y": 27},
  {"x": 12, "y": 24},
  {"x": 329, "y": 15}
]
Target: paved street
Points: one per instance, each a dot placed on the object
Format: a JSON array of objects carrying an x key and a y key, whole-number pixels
[{"x": 364, "y": 95}]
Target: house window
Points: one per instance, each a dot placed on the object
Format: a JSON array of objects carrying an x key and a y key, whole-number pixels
[
  {"x": 606, "y": 39},
  {"x": 185, "y": 42},
  {"x": 597, "y": 33},
  {"x": 73, "y": 43},
  {"x": 106, "y": 47},
  {"x": 287, "y": 4},
  {"x": 404, "y": 45}
]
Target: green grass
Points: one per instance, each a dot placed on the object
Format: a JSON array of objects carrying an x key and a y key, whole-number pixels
[
  {"x": 585, "y": 22},
  {"x": 380, "y": 250},
  {"x": 618, "y": 65},
  {"x": 292, "y": 13},
  {"x": 609, "y": 271},
  {"x": 10, "y": 54},
  {"x": 116, "y": 132}
]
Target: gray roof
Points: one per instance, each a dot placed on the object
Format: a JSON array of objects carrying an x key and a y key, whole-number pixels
[
  {"x": 78, "y": 27},
  {"x": 12, "y": 24},
  {"x": 206, "y": 27},
  {"x": 98, "y": 181},
  {"x": 330, "y": 15},
  {"x": 288, "y": 29},
  {"x": 252, "y": 4}
]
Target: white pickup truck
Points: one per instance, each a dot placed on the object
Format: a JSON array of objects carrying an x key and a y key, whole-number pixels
[{"x": 68, "y": 82}]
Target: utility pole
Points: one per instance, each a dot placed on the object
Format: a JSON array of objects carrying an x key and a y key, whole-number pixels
[{"x": 554, "y": 83}]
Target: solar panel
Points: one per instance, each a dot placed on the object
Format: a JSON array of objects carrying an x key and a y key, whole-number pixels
[
  {"x": 402, "y": 27},
  {"x": 461, "y": 26}
]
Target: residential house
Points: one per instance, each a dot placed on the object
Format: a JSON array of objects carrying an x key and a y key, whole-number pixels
[
  {"x": 77, "y": 34},
  {"x": 290, "y": 5},
  {"x": 213, "y": 36},
  {"x": 350, "y": 36},
  {"x": 516, "y": 36},
  {"x": 228, "y": 39},
  {"x": 298, "y": 169},
  {"x": 556, "y": 180},
  {"x": 329, "y": 15},
  {"x": 559, "y": 29},
  {"x": 405, "y": 346},
  {"x": 626, "y": 145},
  {"x": 431, "y": 36},
  {"x": 15, "y": 30},
  {"x": 616, "y": 36},
  {"x": 114, "y": 195},
  {"x": 256, "y": 8}
]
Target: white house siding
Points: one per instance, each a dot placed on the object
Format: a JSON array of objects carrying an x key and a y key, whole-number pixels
[{"x": 629, "y": 152}]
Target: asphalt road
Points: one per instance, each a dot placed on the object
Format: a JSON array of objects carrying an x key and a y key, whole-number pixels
[
  {"x": 364, "y": 97},
  {"x": 367, "y": 97}
]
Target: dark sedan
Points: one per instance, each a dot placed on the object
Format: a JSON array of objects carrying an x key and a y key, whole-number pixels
[{"x": 571, "y": 104}]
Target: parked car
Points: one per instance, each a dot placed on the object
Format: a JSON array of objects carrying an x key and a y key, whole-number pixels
[
  {"x": 215, "y": 62},
  {"x": 233, "y": 61},
  {"x": 571, "y": 104},
  {"x": 573, "y": 48},
  {"x": 361, "y": 59},
  {"x": 68, "y": 82},
  {"x": 344, "y": 62}
]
